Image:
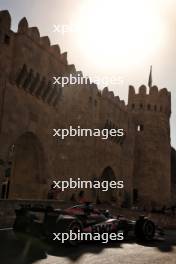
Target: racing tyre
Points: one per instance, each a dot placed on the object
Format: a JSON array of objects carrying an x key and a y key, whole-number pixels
[
  {"x": 145, "y": 229},
  {"x": 76, "y": 228},
  {"x": 67, "y": 225}
]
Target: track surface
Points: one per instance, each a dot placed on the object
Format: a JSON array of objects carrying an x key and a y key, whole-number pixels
[{"x": 15, "y": 250}]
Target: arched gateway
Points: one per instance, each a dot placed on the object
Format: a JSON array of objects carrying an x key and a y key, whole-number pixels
[
  {"x": 110, "y": 195},
  {"x": 28, "y": 175}
]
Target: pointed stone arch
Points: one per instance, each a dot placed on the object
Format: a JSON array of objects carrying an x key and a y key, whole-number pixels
[
  {"x": 29, "y": 177},
  {"x": 108, "y": 174}
]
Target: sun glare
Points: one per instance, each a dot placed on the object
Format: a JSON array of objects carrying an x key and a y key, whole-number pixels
[{"x": 114, "y": 31}]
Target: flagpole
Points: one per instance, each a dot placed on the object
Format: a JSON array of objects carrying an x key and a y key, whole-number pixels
[{"x": 150, "y": 78}]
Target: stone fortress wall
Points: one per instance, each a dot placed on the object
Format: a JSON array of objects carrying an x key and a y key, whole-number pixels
[{"x": 31, "y": 106}]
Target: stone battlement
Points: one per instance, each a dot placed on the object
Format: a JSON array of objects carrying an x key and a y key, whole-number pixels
[
  {"x": 155, "y": 99},
  {"x": 44, "y": 41},
  {"x": 154, "y": 91},
  {"x": 31, "y": 75},
  {"x": 114, "y": 99}
]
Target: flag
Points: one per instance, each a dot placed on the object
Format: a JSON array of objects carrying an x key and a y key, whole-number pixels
[{"x": 150, "y": 78}]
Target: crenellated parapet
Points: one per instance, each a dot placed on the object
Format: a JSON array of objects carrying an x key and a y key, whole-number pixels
[
  {"x": 33, "y": 33},
  {"x": 5, "y": 21},
  {"x": 35, "y": 64},
  {"x": 109, "y": 95},
  {"x": 44, "y": 41},
  {"x": 5, "y": 27},
  {"x": 23, "y": 26},
  {"x": 29, "y": 73},
  {"x": 156, "y": 100}
]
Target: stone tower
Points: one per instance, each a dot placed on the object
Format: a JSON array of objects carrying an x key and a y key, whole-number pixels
[{"x": 151, "y": 113}]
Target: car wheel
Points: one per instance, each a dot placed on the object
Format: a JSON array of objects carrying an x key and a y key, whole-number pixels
[
  {"x": 67, "y": 225},
  {"x": 145, "y": 229},
  {"x": 76, "y": 228}
]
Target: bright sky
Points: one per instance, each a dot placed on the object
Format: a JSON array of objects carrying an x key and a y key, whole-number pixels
[{"x": 112, "y": 38}]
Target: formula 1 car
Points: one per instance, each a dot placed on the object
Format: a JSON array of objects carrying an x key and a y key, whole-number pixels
[{"x": 45, "y": 221}]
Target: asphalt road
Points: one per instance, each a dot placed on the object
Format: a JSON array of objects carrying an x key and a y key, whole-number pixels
[{"x": 24, "y": 250}]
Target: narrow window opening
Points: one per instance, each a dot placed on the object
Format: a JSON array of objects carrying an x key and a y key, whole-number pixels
[
  {"x": 148, "y": 106},
  {"x": 133, "y": 106},
  {"x": 140, "y": 128},
  {"x": 7, "y": 40},
  {"x": 90, "y": 99}
]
